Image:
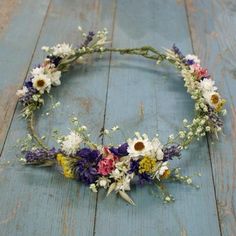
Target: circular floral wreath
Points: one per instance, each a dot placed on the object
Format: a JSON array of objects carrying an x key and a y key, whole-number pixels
[{"x": 138, "y": 160}]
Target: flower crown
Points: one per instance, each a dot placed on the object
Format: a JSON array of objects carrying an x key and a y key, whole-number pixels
[{"x": 139, "y": 159}]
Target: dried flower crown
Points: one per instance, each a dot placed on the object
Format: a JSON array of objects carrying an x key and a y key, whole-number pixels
[{"x": 138, "y": 159}]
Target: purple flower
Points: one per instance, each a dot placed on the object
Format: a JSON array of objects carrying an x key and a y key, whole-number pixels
[
  {"x": 28, "y": 97},
  {"x": 171, "y": 151},
  {"x": 88, "y": 39},
  {"x": 85, "y": 168},
  {"x": 28, "y": 83},
  {"x": 120, "y": 151},
  {"x": 40, "y": 156},
  {"x": 214, "y": 118},
  {"x": 144, "y": 178},
  {"x": 85, "y": 171},
  {"x": 134, "y": 165},
  {"x": 189, "y": 62},
  {"x": 177, "y": 51},
  {"x": 54, "y": 59},
  {"x": 89, "y": 154}
]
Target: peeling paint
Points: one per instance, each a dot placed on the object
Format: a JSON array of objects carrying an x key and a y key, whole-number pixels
[
  {"x": 86, "y": 104},
  {"x": 11, "y": 215},
  {"x": 183, "y": 232},
  {"x": 141, "y": 111},
  {"x": 7, "y": 9}
]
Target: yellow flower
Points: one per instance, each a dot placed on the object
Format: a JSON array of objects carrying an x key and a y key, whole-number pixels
[
  {"x": 217, "y": 102},
  {"x": 147, "y": 164},
  {"x": 220, "y": 105},
  {"x": 65, "y": 163},
  {"x": 166, "y": 174}
]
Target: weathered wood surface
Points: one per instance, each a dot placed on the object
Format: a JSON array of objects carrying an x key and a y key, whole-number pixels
[
  {"x": 131, "y": 92},
  {"x": 213, "y": 31},
  {"x": 18, "y": 39}
]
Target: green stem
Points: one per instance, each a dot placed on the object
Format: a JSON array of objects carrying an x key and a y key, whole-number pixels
[
  {"x": 34, "y": 134},
  {"x": 145, "y": 51}
]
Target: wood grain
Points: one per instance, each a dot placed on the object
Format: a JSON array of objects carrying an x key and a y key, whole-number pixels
[
  {"x": 213, "y": 30},
  {"x": 136, "y": 84},
  {"x": 131, "y": 92},
  {"x": 37, "y": 201},
  {"x": 17, "y": 44}
]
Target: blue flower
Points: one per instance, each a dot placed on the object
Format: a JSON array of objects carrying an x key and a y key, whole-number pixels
[
  {"x": 29, "y": 83},
  {"x": 144, "y": 178},
  {"x": 120, "y": 151},
  {"x": 189, "y": 62},
  {"x": 134, "y": 166},
  {"x": 54, "y": 59},
  {"x": 85, "y": 169}
]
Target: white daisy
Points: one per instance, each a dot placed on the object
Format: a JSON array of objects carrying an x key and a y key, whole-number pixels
[
  {"x": 63, "y": 50},
  {"x": 21, "y": 92},
  {"x": 71, "y": 143},
  {"x": 139, "y": 146},
  {"x": 55, "y": 78},
  {"x": 41, "y": 83},
  {"x": 193, "y": 57},
  {"x": 207, "y": 85},
  {"x": 212, "y": 98}
]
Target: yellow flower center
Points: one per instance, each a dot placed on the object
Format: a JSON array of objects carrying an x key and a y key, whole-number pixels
[
  {"x": 40, "y": 83},
  {"x": 139, "y": 146},
  {"x": 147, "y": 164},
  {"x": 215, "y": 99}
]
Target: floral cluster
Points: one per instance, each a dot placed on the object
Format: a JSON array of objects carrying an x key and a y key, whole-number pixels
[
  {"x": 48, "y": 73},
  {"x": 208, "y": 101},
  {"x": 139, "y": 160}
]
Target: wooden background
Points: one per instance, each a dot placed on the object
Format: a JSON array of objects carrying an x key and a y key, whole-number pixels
[{"x": 131, "y": 92}]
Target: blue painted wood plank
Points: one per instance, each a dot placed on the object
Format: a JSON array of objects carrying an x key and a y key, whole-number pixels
[
  {"x": 37, "y": 201},
  {"x": 17, "y": 43},
  {"x": 213, "y": 34},
  {"x": 134, "y": 85}
]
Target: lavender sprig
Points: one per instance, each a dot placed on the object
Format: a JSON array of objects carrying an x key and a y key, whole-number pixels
[
  {"x": 40, "y": 156},
  {"x": 88, "y": 39},
  {"x": 171, "y": 151}
]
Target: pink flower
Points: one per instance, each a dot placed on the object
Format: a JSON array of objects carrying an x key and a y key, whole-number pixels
[
  {"x": 202, "y": 73},
  {"x": 199, "y": 71},
  {"x": 107, "y": 164}
]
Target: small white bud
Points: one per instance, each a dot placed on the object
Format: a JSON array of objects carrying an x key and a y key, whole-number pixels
[
  {"x": 189, "y": 181},
  {"x": 106, "y": 131}
]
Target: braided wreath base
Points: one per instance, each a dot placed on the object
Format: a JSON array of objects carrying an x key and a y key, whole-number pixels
[{"x": 139, "y": 159}]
